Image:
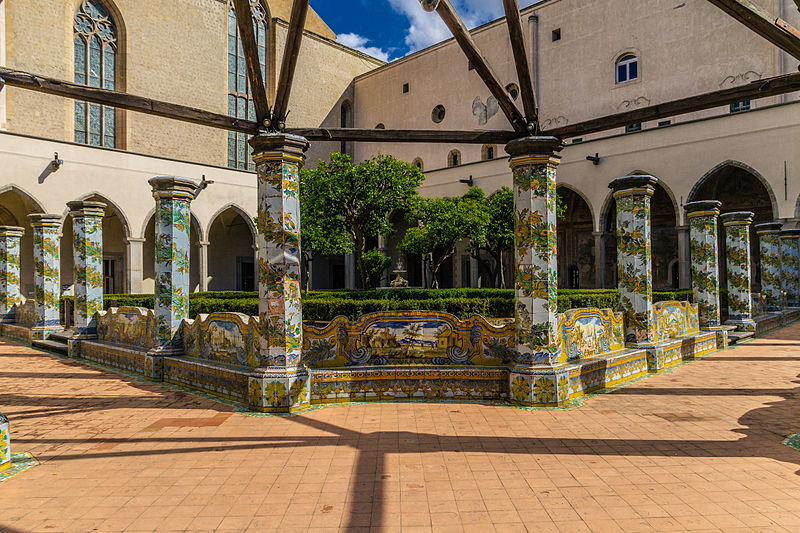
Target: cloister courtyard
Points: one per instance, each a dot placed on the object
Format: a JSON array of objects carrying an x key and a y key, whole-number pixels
[{"x": 697, "y": 448}]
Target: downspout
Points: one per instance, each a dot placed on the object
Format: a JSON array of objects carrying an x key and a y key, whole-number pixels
[{"x": 534, "y": 24}]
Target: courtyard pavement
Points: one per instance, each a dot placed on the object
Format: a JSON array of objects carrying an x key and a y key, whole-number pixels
[{"x": 698, "y": 448}]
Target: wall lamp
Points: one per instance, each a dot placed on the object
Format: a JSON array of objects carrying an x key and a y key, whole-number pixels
[
  {"x": 470, "y": 181},
  {"x": 56, "y": 163},
  {"x": 595, "y": 159}
]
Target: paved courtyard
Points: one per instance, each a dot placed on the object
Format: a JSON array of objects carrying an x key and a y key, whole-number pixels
[{"x": 695, "y": 449}]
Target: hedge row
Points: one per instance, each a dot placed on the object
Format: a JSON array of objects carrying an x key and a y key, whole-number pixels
[{"x": 321, "y": 306}]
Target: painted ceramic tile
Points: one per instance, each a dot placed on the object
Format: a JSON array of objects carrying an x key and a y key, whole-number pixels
[
  {"x": 676, "y": 319},
  {"x": 737, "y": 246},
  {"x": 5, "y": 442},
  {"x": 535, "y": 259},
  {"x": 635, "y": 264},
  {"x": 47, "y": 279},
  {"x": 128, "y": 326},
  {"x": 10, "y": 295},
  {"x": 705, "y": 265},
  {"x": 790, "y": 264},
  {"x": 408, "y": 338},
  {"x": 587, "y": 333},
  {"x": 228, "y": 338},
  {"x": 771, "y": 283},
  {"x": 87, "y": 239}
]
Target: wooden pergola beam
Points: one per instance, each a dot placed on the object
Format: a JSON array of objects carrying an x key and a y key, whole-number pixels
[
  {"x": 757, "y": 89},
  {"x": 526, "y": 89},
  {"x": 290, "y": 54},
  {"x": 775, "y": 30},
  {"x": 247, "y": 36},
  {"x": 481, "y": 65}
]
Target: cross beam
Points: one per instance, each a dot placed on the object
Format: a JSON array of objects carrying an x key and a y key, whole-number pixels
[
  {"x": 751, "y": 91},
  {"x": 244, "y": 21},
  {"x": 526, "y": 89},
  {"x": 482, "y": 67},
  {"x": 290, "y": 55},
  {"x": 777, "y": 31}
]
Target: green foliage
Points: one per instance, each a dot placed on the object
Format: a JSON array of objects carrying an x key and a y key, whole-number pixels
[
  {"x": 346, "y": 203},
  {"x": 437, "y": 224},
  {"x": 582, "y": 298},
  {"x": 498, "y": 238},
  {"x": 375, "y": 263},
  {"x": 324, "y": 310}
]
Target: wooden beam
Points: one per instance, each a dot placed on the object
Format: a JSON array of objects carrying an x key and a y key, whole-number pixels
[
  {"x": 475, "y": 57},
  {"x": 762, "y": 23},
  {"x": 405, "y": 136},
  {"x": 247, "y": 37},
  {"x": 293, "y": 40},
  {"x": 14, "y": 78},
  {"x": 526, "y": 88},
  {"x": 750, "y": 91}
]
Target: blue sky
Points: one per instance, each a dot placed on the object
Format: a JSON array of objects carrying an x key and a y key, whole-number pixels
[{"x": 389, "y": 29}]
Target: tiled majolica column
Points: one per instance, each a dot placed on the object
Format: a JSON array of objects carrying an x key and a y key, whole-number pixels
[
  {"x": 634, "y": 257},
  {"x": 737, "y": 250},
  {"x": 703, "y": 217},
  {"x": 282, "y": 384},
  {"x": 10, "y": 296},
  {"x": 532, "y": 378},
  {"x": 5, "y": 443},
  {"x": 173, "y": 197},
  {"x": 87, "y": 247},
  {"x": 46, "y": 277},
  {"x": 771, "y": 284},
  {"x": 790, "y": 265}
]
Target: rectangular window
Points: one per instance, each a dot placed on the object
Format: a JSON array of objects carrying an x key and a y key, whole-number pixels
[
  {"x": 738, "y": 107},
  {"x": 405, "y": 88},
  {"x": 631, "y": 128},
  {"x": 663, "y": 123},
  {"x": 577, "y": 140},
  {"x": 557, "y": 34}
]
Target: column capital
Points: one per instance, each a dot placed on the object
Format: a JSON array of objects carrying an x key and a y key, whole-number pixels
[
  {"x": 643, "y": 185},
  {"x": 11, "y": 231},
  {"x": 737, "y": 218},
  {"x": 87, "y": 209},
  {"x": 131, "y": 240},
  {"x": 768, "y": 227},
  {"x": 280, "y": 146},
  {"x": 173, "y": 187},
  {"x": 203, "y": 243},
  {"x": 535, "y": 146},
  {"x": 40, "y": 220},
  {"x": 790, "y": 233},
  {"x": 702, "y": 208}
]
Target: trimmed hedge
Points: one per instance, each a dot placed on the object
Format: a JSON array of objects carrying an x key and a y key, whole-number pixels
[{"x": 323, "y": 306}]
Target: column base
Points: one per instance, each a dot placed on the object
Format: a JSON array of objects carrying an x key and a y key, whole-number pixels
[
  {"x": 539, "y": 387},
  {"x": 154, "y": 366},
  {"x": 280, "y": 390},
  {"x": 721, "y": 333},
  {"x": 41, "y": 333}
]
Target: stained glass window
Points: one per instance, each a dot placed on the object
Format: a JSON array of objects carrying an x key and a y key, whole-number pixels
[
  {"x": 96, "y": 66},
  {"x": 240, "y": 101}
]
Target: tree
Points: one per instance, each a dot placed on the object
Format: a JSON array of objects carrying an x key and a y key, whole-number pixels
[
  {"x": 375, "y": 263},
  {"x": 357, "y": 199},
  {"x": 436, "y": 226}
]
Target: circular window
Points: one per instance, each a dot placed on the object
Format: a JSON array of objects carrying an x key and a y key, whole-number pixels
[
  {"x": 438, "y": 113},
  {"x": 513, "y": 90}
]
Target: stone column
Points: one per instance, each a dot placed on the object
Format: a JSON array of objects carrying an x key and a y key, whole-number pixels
[
  {"x": 533, "y": 377},
  {"x": 684, "y": 258},
  {"x": 46, "y": 277},
  {"x": 705, "y": 259},
  {"x": 173, "y": 197},
  {"x": 790, "y": 265},
  {"x": 87, "y": 247},
  {"x": 771, "y": 285},
  {"x": 135, "y": 264},
  {"x": 350, "y": 275},
  {"x": 599, "y": 260},
  {"x": 283, "y": 384},
  {"x": 634, "y": 257},
  {"x": 5, "y": 443},
  {"x": 203, "y": 259},
  {"x": 10, "y": 295},
  {"x": 737, "y": 247}
]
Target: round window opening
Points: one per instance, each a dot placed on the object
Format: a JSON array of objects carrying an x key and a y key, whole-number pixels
[
  {"x": 438, "y": 114},
  {"x": 513, "y": 90}
]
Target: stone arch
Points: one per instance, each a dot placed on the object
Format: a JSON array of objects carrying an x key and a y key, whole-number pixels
[
  {"x": 231, "y": 250},
  {"x": 697, "y": 188},
  {"x": 196, "y": 236},
  {"x": 195, "y": 224},
  {"x": 39, "y": 207},
  {"x": 95, "y": 196},
  {"x": 16, "y": 205},
  {"x": 579, "y": 193},
  {"x": 576, "y": 265}
]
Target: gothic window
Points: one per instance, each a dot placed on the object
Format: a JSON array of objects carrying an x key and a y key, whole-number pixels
[
  {"x": 454, "y": 158},
  {"x": 627, "y": 68},
  {"x": 488, "y": 152},
  {"x": 240, "y": 100},
  {"x": 96, "y": 66}
]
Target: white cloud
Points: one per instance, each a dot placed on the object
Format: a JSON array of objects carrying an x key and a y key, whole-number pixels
[
  {"x": 359, "y": 42},
  {"x": 426, "y": 29}
]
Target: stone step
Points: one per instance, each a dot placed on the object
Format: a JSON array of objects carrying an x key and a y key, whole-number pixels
[
  {"x": 738, "y": 336},
  {"x": 51, "y": 346},
  {"x": 61, "y": 336}
]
